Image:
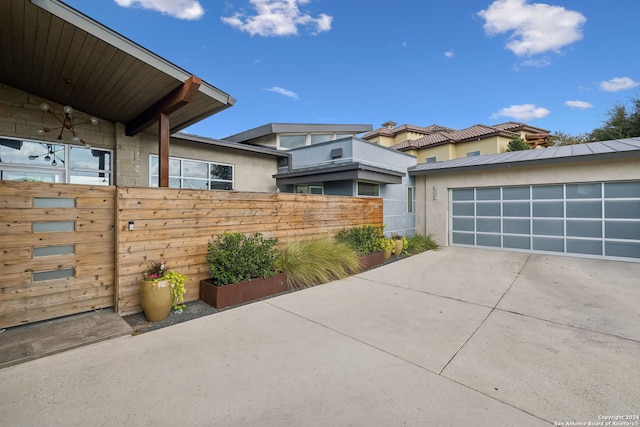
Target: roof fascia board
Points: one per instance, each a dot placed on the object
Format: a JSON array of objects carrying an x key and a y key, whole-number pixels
[
  {"x": 79, "y": 20},
  {"x": 231, "y": 145},
  {"x": 619, "y": 155}
]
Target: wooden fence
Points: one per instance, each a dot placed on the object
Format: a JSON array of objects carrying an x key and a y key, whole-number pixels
[
  {"x": 176, "y": 225},
  {"x": 66, "y": 249}
]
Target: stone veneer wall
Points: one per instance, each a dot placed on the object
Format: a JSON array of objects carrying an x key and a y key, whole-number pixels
[{"x": 21, "y": 117}]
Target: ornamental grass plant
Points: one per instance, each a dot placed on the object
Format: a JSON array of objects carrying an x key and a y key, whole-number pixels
[
  {"x": 420, "y": 243},
  {"x": 312, "y": 262}
]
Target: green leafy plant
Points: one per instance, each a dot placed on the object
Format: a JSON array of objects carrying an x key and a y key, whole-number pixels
[
  {"x": 236, "y": 257},
  {"x": 419, "y": 243},
  {"x": 157, "y": 271},
  {"x": 311, "y": 262},
  {"x": 386, "y": 244},
  {"x": 364, "y": 239}
]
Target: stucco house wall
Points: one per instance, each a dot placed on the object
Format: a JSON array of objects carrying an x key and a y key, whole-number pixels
[
  {"x": 252, "y": 171},
  {"x": 432, "y": 213}
]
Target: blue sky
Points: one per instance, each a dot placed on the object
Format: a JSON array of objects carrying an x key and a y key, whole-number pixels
[{"x": 559, "y": 65}]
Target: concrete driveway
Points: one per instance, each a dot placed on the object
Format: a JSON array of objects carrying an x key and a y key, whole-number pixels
[{"x": 456, "y": 337}]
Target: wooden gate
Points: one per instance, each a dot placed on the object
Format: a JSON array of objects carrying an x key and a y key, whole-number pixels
[{"x": 57, "y": 250}]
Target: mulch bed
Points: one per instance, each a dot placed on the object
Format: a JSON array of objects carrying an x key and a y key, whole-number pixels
[{"x": 193, "y": 310}]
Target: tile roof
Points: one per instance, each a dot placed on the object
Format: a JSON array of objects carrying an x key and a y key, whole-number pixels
[
  {"x": 513, "y": 126},
  {"x": 425, "y": 141},
  {"x": 436, "y": 134},
  {"x": 619, "y": 148}
]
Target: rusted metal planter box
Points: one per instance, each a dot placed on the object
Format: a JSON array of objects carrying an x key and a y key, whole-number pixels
[
  {"x": 238, "y": 293},
  {"x": 371, "y": 260}
]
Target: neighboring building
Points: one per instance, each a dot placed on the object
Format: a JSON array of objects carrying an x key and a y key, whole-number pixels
[
  {"x": 578, "y": 200},
  {"x": 329, "y": 159},
  {"x": 438, "y": 143}
]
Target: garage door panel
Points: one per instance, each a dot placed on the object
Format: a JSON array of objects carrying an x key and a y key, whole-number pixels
[
  {"x": 516, "y": 242},
  {"x": 548, "y": 227},
  {"x": 585, "y": 219},
  {"x": 614, "y": 190},
  {"x": 518, "y": 209},
  {"x": 584, "y": 209},
  {"x": 584, "y": 228},
  {"x": 463, "y": 209},
  {"x": 548, "y": 244},
  {"x": 548, "y": 192},
  {"x": 516, "y": 226},
  {"x": 491, "y": 240},
  {"x": 584, "y": 191},
  {"x": 488, "y": 209},
  {"x": 622, "y": 208},
  {"x": 516, "y": 193},
  {"x": 488, "y": 225},
  {"x": 548, "y": 209},
  {"x": 622, "y": 230},
  {"x": 463, "y": 238},
  {"x": 622, "y": 249},
  {"x": 585, "y": 247}
]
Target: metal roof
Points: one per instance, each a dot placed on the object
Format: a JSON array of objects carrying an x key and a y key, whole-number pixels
[
  {"x": 53, "y": 51},
  {"x": 605, "y": 150},
  {"x": 276, "y": 128}
]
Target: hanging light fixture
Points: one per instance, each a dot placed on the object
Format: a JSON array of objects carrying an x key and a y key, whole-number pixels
[
  {"x": 66, "y": 123},
  {"x": 50, "y": 153}
]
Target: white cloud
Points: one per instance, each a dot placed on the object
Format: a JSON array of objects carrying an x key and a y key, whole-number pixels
[
  {"x": 522, "y": 112},
  {"x": 278, "y": 18},
  {"x": 536, "y": 63},
  {"x": 535, "y": 28},
  {"x": 618, "y": 83},
  {"x": 582, "y": 105},
  {"x": 182, "y": 9},
  {"x": 284, "y": 92},
  {"x": 449, "y": 54}
]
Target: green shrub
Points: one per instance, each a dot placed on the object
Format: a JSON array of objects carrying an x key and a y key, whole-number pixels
[
  {"x": 364, "y": 239},
  {"x": 235, "y": 257},
  {"x": 420, "y": 243},
  {"x": 312, "y": 262}
]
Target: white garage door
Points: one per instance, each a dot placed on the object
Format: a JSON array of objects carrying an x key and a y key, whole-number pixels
[{"x": 599, "y": 219}]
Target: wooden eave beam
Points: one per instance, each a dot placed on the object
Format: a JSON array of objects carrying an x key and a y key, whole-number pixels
[{"x": 173, "y": 101}]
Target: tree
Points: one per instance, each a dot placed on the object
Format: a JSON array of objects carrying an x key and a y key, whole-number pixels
[
  {"x": 622, "y": 123},
  {"x": 561, "y": 138},
  {"x": 517, "y": 144}
]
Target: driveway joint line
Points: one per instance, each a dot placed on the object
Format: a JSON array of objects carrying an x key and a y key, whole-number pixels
[
  {"x": 395, "y": 356},
  {"x": 486, "y": 317}
]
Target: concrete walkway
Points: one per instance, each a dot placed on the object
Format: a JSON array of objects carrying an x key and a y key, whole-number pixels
[{"x": 457, "y": 337}]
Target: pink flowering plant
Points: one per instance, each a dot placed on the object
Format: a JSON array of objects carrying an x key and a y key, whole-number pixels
[{"x": 157, "y": 270}]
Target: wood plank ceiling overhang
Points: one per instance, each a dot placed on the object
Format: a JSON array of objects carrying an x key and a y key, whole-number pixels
[{"x": 53, "y": 51}]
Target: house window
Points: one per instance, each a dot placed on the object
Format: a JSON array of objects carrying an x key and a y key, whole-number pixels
[
  {"x": 194, "y": 174},
  {"x": 318, "y": 138},
  {"x": 410, "y": 200},
  {"x": 24, "y": 160},
  {"x": 473, "y": 153},
  {"x": 430, "y": 160},
  {"x": 292, "y": 141},
  {"x": 309, "y": 189},
  {"x": 368, "y": 189}
]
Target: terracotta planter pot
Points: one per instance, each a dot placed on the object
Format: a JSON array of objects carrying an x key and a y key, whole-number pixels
[
  {"x": 398, "y": 249},
  {"x": 156, "y": 300},
  {"x": 387, "y": 253},
  {"x": 238, "y": 293}
]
